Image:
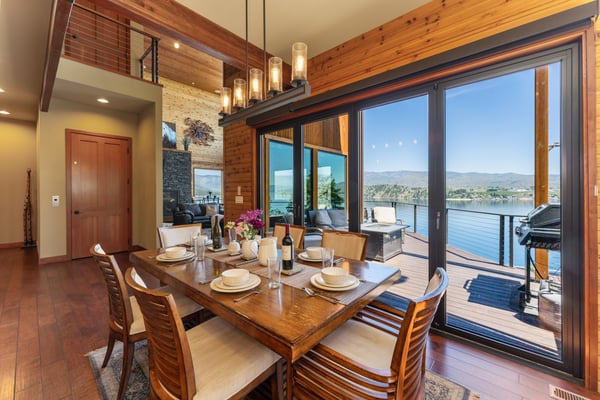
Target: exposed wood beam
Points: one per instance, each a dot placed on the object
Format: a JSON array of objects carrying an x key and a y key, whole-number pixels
[
  {"x": 541, "y": 158},
  {"x": 172, "y": 19},
  {"x": 58, "y": 29}
]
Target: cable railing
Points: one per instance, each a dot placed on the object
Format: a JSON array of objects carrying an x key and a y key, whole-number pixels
[
  {"x": 483, "y": 233},
  {"x": 116, "y": 46}
]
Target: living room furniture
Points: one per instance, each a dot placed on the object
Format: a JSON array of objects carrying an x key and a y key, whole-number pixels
[
  {"x": 287, "y": 319},
  {"x": 196, "y": 213},
  {"x": 385, "y": 240},
  {"x": 213, "y": 360},
  {"x": 346, "y": 244},
  {"x": 330, "y": 218},
  {"x": 378, "y": 354}
]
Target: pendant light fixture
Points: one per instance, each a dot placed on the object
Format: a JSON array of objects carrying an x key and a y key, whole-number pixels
[{"x": 235, "y": 107}]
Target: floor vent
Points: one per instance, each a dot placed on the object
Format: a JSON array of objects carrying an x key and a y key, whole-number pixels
[{"x": 562, "y": 394}]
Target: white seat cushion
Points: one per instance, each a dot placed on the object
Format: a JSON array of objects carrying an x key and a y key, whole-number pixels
[
  {"x": 137, "y": 325},
  {"x": 362, "y": 343},
  {"x": 225, "y": 359},
  {"x": 384, "y": 215}
]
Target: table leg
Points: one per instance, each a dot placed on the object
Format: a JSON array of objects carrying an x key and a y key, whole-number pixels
[{"x": 289, "y": 377}]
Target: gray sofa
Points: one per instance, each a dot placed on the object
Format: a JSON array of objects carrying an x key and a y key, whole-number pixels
[
  {"x": 196, "y": 213},
  {"x": 328, "y": 219}
]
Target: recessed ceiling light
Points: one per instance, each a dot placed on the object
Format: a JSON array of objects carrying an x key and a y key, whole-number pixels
[
  {"x": 176, "y": 44},
  {"x": 2, "y": 90},
  {"x": 102, "y": 100},
  {"x": 4, "y": 112}
]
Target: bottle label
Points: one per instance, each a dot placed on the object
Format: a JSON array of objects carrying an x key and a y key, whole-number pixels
[{"x": 286, "y": 253}]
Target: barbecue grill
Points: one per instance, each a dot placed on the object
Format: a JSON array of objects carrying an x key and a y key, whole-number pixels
[{"x": 540, "y": 229}]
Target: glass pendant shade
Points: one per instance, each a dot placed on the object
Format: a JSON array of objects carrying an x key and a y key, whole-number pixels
[
  {"x": 299, "y": 61},
  {"x": 275, "y": 76},
  {"x": 225, "y": 101},
  {"x": 239, "y": 94},
  {"x": 256, "y": 86}
]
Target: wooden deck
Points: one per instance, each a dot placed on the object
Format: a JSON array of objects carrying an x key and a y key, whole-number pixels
[{"x": 483, "y": 297}]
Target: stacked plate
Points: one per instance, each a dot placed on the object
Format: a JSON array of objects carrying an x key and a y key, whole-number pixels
[
  {"x": 304, "y": 256},
  {"x": 174, "y": 256},
  {"x": 219, "y": 286},
  {"x": 350, "y": 283}
]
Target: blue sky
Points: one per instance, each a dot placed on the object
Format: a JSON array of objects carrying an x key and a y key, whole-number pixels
[{"x": 489, "y": 128}]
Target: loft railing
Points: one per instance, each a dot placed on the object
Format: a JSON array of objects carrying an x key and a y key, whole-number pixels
[{"x": 110, "y": 44}]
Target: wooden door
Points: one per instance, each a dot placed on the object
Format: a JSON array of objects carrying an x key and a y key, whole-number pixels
[{"x": 99, "y": 189}]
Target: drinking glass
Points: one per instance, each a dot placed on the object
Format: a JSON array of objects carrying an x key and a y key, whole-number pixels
[
  {"x": 194, "y": 243},
  {"x": 200, "y": 248},
  {"x": 274, "y": 272},
  {"x": 326, "y": 257}
]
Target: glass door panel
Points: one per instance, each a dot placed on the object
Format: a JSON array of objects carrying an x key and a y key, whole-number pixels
[
  {"x": 395, "y": 175},
  {"x": 503, "y": 160}
]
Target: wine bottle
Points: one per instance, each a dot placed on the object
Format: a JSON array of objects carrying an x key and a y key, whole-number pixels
[
  {"x": 216, "y": 235},
  {"x": 287, "y": 250}
]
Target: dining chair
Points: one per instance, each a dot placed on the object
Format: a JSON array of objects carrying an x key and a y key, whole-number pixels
[
  {"x": 346, "y": 244},
  {"x": 125, "y": 322},
  {"x": 378, "y": 354},
  {"x": 296, "y": 232},
  {"x": 213, "y": 360},
  {"x": 177, "y": 234}
]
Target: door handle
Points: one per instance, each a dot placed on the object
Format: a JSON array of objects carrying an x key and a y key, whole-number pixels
[
  {"x": 76, "y": 212},
  {"x": 437, "y": 220}
]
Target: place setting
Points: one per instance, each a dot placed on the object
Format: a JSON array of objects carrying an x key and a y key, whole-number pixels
[
  {"x": 334, "y": 279},
  {"x": 175, "y": 254},
  {"x": 234, "y": 281}
]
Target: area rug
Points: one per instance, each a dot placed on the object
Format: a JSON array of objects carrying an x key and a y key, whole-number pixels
[{"x": 107, "y": 379}]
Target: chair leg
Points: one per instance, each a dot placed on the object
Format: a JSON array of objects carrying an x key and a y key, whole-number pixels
[
  {"x": 128, "y": 349},
  {"x": 109, "y": 348}
]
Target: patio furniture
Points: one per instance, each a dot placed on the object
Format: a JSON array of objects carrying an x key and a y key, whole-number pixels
[
  {"x": 378, "y": 354},
  {"x": 385, "y": 241},
  {"x": 351, "y": 245},
  {"x": 213, "y": 360},
  {"x": 125, "y": 319}
]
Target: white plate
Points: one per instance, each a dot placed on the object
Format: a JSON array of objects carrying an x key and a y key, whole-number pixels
[
  {"x": 163, "y": 257},
  {"x": 235, "y": 253},
  {"x": 318, "y": 282},
  {"x": 217, "y": 285},
  {"x": 305, "y": 257},
  {"x": 348, "y": 282}
]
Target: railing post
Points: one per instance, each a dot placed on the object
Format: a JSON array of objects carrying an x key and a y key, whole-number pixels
[
  {"x": 155, "y": 60},
  {"x": 501, "y": 242},
  {"x": 511, "y": 239},
  {"x": 415, "y": 218}
]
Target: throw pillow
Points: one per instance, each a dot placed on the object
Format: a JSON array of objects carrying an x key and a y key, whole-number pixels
[
  {"x": 212, "y": 209},
  {"x": 338, "y": 217},
  {"x": 193, "y": 207},
  {"x": 385, "y": 215},
  {"x": 322, "y": 218}
]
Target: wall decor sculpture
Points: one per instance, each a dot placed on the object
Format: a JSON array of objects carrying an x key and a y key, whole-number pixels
[{"x": 199, "y": 132}]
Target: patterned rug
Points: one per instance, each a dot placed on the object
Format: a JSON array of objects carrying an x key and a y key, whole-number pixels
[{"x": 107, "y": 379}]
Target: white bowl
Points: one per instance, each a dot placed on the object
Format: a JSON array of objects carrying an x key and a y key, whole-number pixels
[
  {"x": 175, "y": 252},
  {"x": 313, "y": 252},
  {"x": 235, "y": 277},
  {"x": 334, "y": 275}
]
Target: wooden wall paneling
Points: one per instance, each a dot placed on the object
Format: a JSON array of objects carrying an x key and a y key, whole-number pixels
[
  {"x": 239, "y": 159},
  {"x": 436, "y": 27}
]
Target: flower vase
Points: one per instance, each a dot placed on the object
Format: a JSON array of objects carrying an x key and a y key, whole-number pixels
[
  {"x": 249, "y": 249},
  {"x": 267, "y": 248}
]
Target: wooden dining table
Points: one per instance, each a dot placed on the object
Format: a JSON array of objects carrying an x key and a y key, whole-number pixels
[{"x": 286, "y": 319}]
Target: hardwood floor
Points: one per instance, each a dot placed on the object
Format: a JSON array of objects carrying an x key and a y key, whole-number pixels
[{"x": 52, "y": 315}]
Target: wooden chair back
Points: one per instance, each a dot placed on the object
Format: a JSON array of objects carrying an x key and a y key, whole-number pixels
[
  {"x": 408, "y": 361},
  {"x": 296, "y": 232},
  {"x": 119, "y": 313},
  {"x": 171, "y": 366},
  {"x": 351, "y": 245},
  {"x": 177, "y": 234}
]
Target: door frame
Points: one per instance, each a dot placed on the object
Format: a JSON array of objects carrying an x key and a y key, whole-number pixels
[{"x": 69, "y": 209}]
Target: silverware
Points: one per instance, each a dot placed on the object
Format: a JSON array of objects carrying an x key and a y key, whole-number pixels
[
  {"x": 339, "y": 260},
  {"x": 313, "y": 293},
  {"x": 257, "y": 291}
]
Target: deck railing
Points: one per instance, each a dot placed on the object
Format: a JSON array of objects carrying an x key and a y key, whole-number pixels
[
  {"x": 116, "y": 46},
  {"x": 483, "y": 233}
]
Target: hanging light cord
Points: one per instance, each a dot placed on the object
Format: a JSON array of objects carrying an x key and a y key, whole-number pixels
[
  {"x": 247, "y": 72},
  {"x": 266, "y": 76}
]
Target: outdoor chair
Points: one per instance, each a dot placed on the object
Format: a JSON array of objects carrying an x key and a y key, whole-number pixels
[
  {"x": 296, "y": 232},
  {"x": 379, "y": 354},
  {"x": 213, "y": 360},
  {"x": 125, "y": 321},
  {"x": 345, "y": 244}
]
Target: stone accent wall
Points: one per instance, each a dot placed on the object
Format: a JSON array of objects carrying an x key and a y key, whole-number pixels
[{"x": 177, "y": 173}]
